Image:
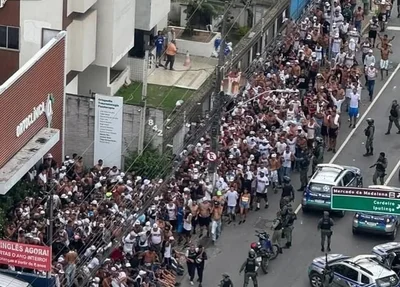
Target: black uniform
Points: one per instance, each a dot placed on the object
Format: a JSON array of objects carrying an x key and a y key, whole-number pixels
[
  {"x": 325, "y": 225},
  {"x": 191, "y": 266}
]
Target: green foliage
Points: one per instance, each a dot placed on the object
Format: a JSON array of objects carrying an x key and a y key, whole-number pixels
[
  {"x": 237, "y": 33},
  {"x": 151, "y": 164},
  {"x": 199, "y": 15}
]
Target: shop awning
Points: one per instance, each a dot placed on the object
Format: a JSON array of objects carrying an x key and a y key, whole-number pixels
[{"x": 27, "y": 157}]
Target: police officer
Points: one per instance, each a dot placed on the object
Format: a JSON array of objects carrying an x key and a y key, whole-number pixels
[
  {"x": 250, "y": 269},
  {"x": 289, "y": 217},
  {"x": 318, "y": 153},
  {"x": 287, "y": 191},
  {"x": 394, "y": 117},
  {"x": 277, "y": 227},
  {"x": 303, "y": 160},
  {"x": 369, "y": 133},
  {"x": 327, "y": 276},
  {"x": 325, "y": 226},
  {"x": 380, "y": 169},
  {"x": 226, "y": 281}
]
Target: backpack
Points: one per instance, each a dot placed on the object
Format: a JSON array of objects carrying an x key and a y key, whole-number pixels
[
  {"x": 367, "y": 132},
  {"x": 393, "y": 111}
]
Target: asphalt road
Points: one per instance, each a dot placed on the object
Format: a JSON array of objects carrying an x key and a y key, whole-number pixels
[{"x": 290, "y": 268}]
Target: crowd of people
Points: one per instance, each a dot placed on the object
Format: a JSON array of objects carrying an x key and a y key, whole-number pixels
[{"x": 279, "y": 125}]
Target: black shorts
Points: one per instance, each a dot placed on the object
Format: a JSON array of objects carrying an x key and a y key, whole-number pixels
[
  {"x": 204, "y": 221},
  {"x": 372, "y": 34},
  {"x": 174, "y": 223},
  {"x": 382, "y": 17},
  {"x": 333, "y": 133},
  {"x": 186, "y": 232},
  {"x": 324, "y": 130},
  {"x": 260, "y": 195}
]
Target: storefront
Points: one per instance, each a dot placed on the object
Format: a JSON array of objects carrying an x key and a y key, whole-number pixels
[{"x": 32, "y": 120}]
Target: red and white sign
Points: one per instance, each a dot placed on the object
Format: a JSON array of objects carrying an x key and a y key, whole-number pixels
[
  {"x": 35, "y": 257},
  {"x": 211, "y": 156}
]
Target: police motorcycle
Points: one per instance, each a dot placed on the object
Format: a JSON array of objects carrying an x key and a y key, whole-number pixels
[{"x": 264, "y": 249}]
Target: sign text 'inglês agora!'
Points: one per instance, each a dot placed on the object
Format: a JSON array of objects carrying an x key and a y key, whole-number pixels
[
  {"x": 35, "y": 257},
  {"x": 366, "y": 200}
]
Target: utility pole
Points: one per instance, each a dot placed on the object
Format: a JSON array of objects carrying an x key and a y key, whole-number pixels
[
  {"x": 142, "y": 130},
  {"x": 50, "y": 190},
  {"x": 218, "y": 97}
]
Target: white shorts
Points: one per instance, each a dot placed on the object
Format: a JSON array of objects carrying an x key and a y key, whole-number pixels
[
  {"x": 274, "y": 176},
  {"x": 384, "y": 64}
]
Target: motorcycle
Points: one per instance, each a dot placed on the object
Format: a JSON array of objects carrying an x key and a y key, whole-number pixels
[{"x": 264, "y": 249}]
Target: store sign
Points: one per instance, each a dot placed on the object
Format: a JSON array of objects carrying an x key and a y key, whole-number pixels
[
  {"x": 43, "y": 108},
  {"x": 2, "y": 3},
  {"x": 35, "y": 257}
]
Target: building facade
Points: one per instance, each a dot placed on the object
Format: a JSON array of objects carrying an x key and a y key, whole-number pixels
[
  {"x": 32, "y": 122},
  {"x": 100, "y": 33}
]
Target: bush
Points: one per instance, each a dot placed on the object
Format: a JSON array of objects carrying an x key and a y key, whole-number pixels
[{"x": 151, "y": 164}]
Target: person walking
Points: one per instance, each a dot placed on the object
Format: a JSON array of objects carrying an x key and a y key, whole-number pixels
[
  {"x": 355, "y": 100},
  {"x": 250, "y": 269},
  {"x": 244, "y": 204},
  {"x": 262, "y": 183},
  {"x": 277, "y": 227},
  {"x": 303, "y": 160},
  {"x": 371, "y": 74},
  {"x": 394, "y": 116},
  {"x": 318, "y": 153},
  {"x": 71, "y": 258},
  {"x": 369, "y": 133},
  {"x": 384, "y": 63},
  {"x": 325, "y": 227},
  {"x": 226, "y": 281},
  {"x": 191, "y": 256},
  {"x": 200, "y": 262},
  {"x": 171, "y": 52},
  {"x": 160, "y": 44},
  {"x": 380, "y": 169},
  {"x": 288, "y": 220}
]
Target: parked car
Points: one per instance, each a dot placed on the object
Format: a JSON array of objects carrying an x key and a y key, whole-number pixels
[
  {"x": 390, "y": 254},
  {"x": 377, "y": 223},
  {"x": 318, "y": 193}
]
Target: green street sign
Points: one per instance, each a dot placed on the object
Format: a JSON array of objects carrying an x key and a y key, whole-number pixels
[{"x": 366, "y": 200}]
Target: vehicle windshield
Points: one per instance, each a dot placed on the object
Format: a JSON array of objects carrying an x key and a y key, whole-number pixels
[
  {"x": 320, "y": 187},
  {"x": 389, "y": 281}
]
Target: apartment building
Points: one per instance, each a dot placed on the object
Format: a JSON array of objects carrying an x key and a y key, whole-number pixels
[{"x": 100, "y": 33}]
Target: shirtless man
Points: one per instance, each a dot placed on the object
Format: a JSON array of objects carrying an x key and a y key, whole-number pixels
[
  {"x": 218, "y": 197},
  {"x": 204, "y": 216},
  {"x": 71, "y": 258},
  {"x": 194, "y": 209},
  {"x": 333, "y": 119},
  {"x": 384, "y": 63},
  {"x": 216, "y": 215}
]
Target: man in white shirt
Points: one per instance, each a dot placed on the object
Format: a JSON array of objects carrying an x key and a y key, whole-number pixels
[
  {"x": 371, "y": 74},
  {"x": 232, "y": 197},
  {"x": 353, "y": 107},
  {"x": 262, "y": 183}
]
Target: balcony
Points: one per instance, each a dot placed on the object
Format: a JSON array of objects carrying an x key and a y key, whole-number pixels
[
  {"x": 79, "y": 6},
  {"x": 115, "y": 30},
  {"x": 150, "y": 12},
  {"x": 82, "y": 41},
  {"x": 118, "y": 79}
]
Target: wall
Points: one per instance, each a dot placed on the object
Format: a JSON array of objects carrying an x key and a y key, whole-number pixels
[
  {"x": 137, "y": 65},
  {"x": 36, "y": 15},
  {"x": 115, "y": 30},
  {"x": 28, "y": 88},
  {"x": 94, "y": 80},
  {"x": 79, "y": 126},
  {"x": 9, "y": 59},
  {"x": 150, "y": 12}
]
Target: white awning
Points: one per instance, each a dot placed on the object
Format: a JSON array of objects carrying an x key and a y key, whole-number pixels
[{"x": 27, "y": 157}]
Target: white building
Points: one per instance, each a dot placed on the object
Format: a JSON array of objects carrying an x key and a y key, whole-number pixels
[{"x": 100, "y": 33}]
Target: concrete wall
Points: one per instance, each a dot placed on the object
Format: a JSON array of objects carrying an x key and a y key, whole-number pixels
[
  {"x": 79, "y": 133},
  {"x": 150, "y": 12}
]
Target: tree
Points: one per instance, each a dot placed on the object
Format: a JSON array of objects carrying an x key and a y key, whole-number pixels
[
  {"x": 199, "y": 14},
  {"x": 151, "y": 164}
]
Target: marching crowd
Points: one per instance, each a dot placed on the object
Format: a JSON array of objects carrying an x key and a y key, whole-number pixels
[{"x": 280, "y": 124}]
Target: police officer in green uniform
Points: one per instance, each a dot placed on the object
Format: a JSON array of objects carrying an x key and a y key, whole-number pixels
[
  {"x": 318, "y": 153},
  {"x": 277, "y": 227},
  {"x": 369, "y": 133},
  {"x": 289, "y": 217},
  {"x": 250, "y": 269},
  {"x": 303, "y": 161},
  {"x": 325, "y": 226},
  {"x": 380, "y": 169}
]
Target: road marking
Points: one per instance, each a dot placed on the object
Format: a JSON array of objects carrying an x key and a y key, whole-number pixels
[
  {"x": 389, "y": 178},
  {"x": 393, "y": 28},
  {"x": 361, "y": 121}
]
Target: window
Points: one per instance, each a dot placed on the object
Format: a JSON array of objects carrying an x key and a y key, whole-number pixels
[
  {"x": 9, "y": 37},
  {"x": 364, "y": 279},
  {"x": 346, "y": 272},
  {"x": 340, "y": 269},
  {"x": 352, "y": 274},
  {"x": 348, "y": 178},
  {"x": 48, "y": 34}
]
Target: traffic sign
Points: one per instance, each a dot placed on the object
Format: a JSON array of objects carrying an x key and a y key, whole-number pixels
[
  {"x": 366, "y": 200},
  {"x": 211, "y": 156}
]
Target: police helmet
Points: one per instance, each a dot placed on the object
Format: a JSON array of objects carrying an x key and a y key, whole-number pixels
[
  {"x": 370, "y": 121},
  {"x": 319, "y": 140},
  {"x": 286, "y": 179},
  {"x": 252, "y": 253}
]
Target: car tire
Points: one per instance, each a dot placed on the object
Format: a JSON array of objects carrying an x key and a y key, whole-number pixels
[
  {"x": 393, "y": 235},
  {"x": 355, "y": 231},
  {"x": 316, "y": 279},
  {"x": 341, "y": 213}
]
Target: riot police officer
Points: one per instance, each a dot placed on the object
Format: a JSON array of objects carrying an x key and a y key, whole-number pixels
[
  {"x": 287, "y": 191},
  {"x": 380, "y": 169},
  {"x": 289, "y": 216},
  {"x": 226, "y": 281},
  {"x": 369, "y": 133},
  {"x": 250, "y": 269},
  {"x": 303, "y": 161},
  {"x": 325, "y": 226},
  {"x": 318, "y": 153},
  {"x": 277, "y": 227}
]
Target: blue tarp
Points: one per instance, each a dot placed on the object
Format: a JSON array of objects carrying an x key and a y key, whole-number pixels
[{"x": 296, "y": 7}]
